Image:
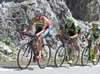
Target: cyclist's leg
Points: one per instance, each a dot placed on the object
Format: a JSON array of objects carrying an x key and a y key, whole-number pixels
[
  {"x": 96, "y": 47},
  {"x": 39, "y": 47},
  {"x": 71, "y": 53},
  {"x": 38, "y": 30},
  {"x": 47, "y": 31},
  {"x": 72, "y": 50},
  {"x": 95, "y": 51},
  {"x": 40, "y": 41}
]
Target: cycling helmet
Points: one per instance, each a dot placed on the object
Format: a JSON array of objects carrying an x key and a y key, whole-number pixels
[
  {"x": 94, "y": 24},
  {"x": 69, "y": 20},
  {"x": 38, "y": 12}
]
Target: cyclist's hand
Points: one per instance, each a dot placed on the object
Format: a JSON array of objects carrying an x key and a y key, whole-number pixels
[
  {"x": 71, "y": 37},
  {"x": 22, "y": 32},
  {"x": 36, "y": 35},
  {"x": 95, "y": 43}
]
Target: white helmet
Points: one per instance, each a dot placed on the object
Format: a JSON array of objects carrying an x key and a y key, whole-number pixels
[{"x": 38, "y": 12}]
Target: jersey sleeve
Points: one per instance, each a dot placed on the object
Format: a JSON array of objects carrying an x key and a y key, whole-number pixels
[
  {"x": 33, "y": 18},
  {"x": 89, "y": 31},
  {"x": 75, "y": 26},
  {"x": 99, "y": 31},
  {"x": 76, "y": 29}
]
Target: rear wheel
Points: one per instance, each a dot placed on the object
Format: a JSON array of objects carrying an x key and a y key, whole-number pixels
[
  {"x": 76, "y": 55},
  {"x": 24, "y": 56},
  {"x": 45, "y": 56},
  {"x": 59, "y": 56},
  {"x": 97, "y": 57}
]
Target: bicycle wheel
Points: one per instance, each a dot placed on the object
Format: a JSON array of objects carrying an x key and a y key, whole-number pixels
[
  {"x": 24, "y": 56},
  {"x": 59, "y": 56},
  {"x": 85, "y": 56},
  {"x": 45, "y": 56},
  {"x": 97, "y": 57},
  {"x": 75, "y": 56}
]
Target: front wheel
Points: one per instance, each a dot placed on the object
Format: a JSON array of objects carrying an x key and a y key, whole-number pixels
[
  {"x": 24, "y": 56},
  {"x": 75, "y": 56},
  {"x": 45, "y": 56},
  {"x": 59, "y": 56},
  {"x": 85, "y": 56}
]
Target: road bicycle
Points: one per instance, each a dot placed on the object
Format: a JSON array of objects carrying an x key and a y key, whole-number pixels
[
  {"x": 63, "y": 53},
  {"x": 28, "y": 51},
  {"x": 88, "y": 52}
]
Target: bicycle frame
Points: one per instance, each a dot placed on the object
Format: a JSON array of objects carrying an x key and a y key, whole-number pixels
[
  {"x": 28, "y": 51},
  {"x": 91, "y": 49}
]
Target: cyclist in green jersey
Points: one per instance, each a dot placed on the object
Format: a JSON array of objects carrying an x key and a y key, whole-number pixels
[{"x": 71, "y": 30}]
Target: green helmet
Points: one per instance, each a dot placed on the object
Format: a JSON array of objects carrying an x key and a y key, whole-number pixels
[{"x": 69, "y": 20}]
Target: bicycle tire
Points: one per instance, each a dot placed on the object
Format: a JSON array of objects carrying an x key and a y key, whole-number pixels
[
  {"x": 24, "y": 56},
  {"x": 75, "y": 56},
  {"x": 60, "y": 53},
  {"x": 85, "y": 56},
  {"x": 45, "y": 56},
  {"x": 97, "y": 57}
]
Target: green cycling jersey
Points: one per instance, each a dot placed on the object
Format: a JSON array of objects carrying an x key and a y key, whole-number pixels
[{"x": 73, "y": 29}]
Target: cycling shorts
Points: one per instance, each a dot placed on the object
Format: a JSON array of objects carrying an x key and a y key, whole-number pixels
[{"x": 47, "y": 31}]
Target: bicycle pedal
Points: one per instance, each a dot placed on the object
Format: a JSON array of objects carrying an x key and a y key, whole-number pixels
[
  {"x": 34, "y": 60},
  {"x": 66, "y": 57}
]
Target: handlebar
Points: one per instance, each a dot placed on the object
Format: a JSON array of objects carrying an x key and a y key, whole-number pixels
[{"x": 32, "y": 36}]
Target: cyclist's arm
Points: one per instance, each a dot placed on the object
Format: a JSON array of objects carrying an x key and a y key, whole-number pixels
[
  {"x": 76, "y": 32},
  {"x": 44, "y": 27},
  {"x": 98, "y": 39},
  {"x": 88, "y": 33},
  {"x": 30, "y": 26},
  {"x": 45, "y": 22}
]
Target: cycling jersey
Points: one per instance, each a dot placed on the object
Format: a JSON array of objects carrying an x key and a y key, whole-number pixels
[
  {"x": 71, "y": 31},
  {"x": 42, "y": 21},
  {"x": 94, "y": 36}
]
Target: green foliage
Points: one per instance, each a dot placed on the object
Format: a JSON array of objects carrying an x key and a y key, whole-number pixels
[{"x": 7, "y": 41}]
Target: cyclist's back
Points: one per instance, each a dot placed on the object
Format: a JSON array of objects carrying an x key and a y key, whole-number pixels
[{"x": 71, "y": 30}]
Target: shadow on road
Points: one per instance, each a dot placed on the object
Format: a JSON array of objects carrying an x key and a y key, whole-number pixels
[
  {"x": 51, "y": 66},
  {"x": 16, "y": 68}
]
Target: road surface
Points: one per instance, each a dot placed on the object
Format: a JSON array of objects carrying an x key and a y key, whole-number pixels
[{"x": 65, "y": 69}]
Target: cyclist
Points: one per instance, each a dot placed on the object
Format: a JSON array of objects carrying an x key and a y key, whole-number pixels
[
  {"x": 71, "y": 30},
  {"x": 42, "y": 29},
  {"x": 93, "y": 34}
]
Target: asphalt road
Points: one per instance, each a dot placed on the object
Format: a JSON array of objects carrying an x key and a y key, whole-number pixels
[{"x": 65, "y": 69}]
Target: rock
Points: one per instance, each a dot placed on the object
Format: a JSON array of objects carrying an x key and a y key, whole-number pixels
[
  {"x": 4, "y": 48},
  {"x": 29, "y": 2},
  {"x": 86, "y": 10}
]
